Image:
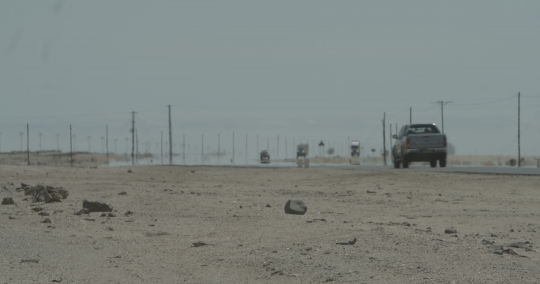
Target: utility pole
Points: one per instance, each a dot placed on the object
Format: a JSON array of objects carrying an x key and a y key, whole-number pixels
[
  {"x": 28, "y": 143},
  {"x": 70, "y": 147},
  {"x": 170, "y": 138},
  {"x": 107, "y": 142},
  {"x": 384, "y": 137},
  {"x": 519, "y": 130},
  {"x": 442, "y": 112},
  {"x": 410, "y": 115},
  {"x": 133, "y": 138}
]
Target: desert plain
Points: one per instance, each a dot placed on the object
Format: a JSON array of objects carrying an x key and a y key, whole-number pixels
[{"x": 179, "y": 224}]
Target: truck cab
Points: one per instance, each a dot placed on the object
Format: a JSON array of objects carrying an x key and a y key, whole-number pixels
[{"x": 419, "y": 143}]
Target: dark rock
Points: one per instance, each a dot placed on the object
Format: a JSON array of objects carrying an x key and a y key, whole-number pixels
[
  {"x": 112, "y": 215},
  {"x": 24, "y": 185},
  {"x": 82, "y": 211},
  {"x": 450, "y": 231},
  {"x": 37, "y": 209},
  {"x": 89, "y": 219},
  {"x": 268, "y": 205},
  {"x": 7, "y": 201},
  {"x": 371, "y": 191},
  {"x": 47, "y": 220},
  {"x": 122, "y": 193},
  {"x": 11, "y": 217},
  {"x": 129, "y": 171},
  {"x": 96, "y": 206},
  {"x": 43, "y": 213},
  {"x": 103, "y": 215},
  {"x": 296, "y": 207},
  {"x": 406, "y": 224},
  {"x": 128, "y": 213}
]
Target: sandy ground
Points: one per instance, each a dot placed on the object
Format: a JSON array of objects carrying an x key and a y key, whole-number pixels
[{"x": 239, "y": 213}]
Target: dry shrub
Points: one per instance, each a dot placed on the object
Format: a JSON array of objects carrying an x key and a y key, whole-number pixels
[{"x": 36, "y": 192}]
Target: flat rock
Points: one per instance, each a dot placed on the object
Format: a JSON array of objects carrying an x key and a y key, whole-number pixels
[
  {"x": 371, "y": 191},
  {"x": 8, "y": 201},
  {"x": 43, "y": 213},
  {"x": 96, "y": 206},
  {"x": 122, "y": 193},
  {"x": 47, "y": 220},
  {"x": 296, "y": 207}
]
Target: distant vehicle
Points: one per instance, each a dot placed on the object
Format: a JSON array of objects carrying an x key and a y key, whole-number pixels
[
  {"x": 302, "y": 150},
  {"x": 419, "y": 143},
  {"x": 355, "y": 148},
  {"x": 265, "y": 157}
]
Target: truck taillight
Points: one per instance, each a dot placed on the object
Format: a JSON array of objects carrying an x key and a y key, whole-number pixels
[
  {"x": 444, "y": 141},
  {"x": 408, "y": 143}
]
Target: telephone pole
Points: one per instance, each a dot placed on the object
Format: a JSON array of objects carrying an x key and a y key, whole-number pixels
[
  {"x": 170, "y": 138},
  {"x": 107, "y": 142},
  {"x": 442, "y": 103},
  {"x": 384, "y": 137},
  {"x": 133, "y": 138},
  {"x": 28, "y": 143},
  {"x": 519, "y": 130}
]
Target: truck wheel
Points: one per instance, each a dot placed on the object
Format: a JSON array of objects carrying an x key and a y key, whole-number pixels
[
  {"x": 405, "y": 163},
  {"x": 442, "y": 163},
  {"x": 397, "y": 164},
  {"x": 433, "y": 163}
]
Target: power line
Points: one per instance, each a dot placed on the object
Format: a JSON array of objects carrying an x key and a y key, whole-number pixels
[{"x": 488, "y": 102}]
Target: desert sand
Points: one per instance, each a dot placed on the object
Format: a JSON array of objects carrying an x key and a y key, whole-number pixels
[{"x": 227, "y": 225}]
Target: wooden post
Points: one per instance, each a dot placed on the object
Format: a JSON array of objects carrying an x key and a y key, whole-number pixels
[
  {"x": 133, "y": 138},
  {"x": 384, "y": 138},
  {"x": 28, "y": 143},
  {"x": 519, "y": 130},
  {"x": 107, "y": 142},
  {"x": 170, "y": 138}
]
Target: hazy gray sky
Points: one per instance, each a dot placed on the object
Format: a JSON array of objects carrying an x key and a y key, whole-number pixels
[{"x": 305, "y": 69}]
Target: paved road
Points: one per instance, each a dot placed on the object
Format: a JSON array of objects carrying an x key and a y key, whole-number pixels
[{"x": 456, "y": 169}]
